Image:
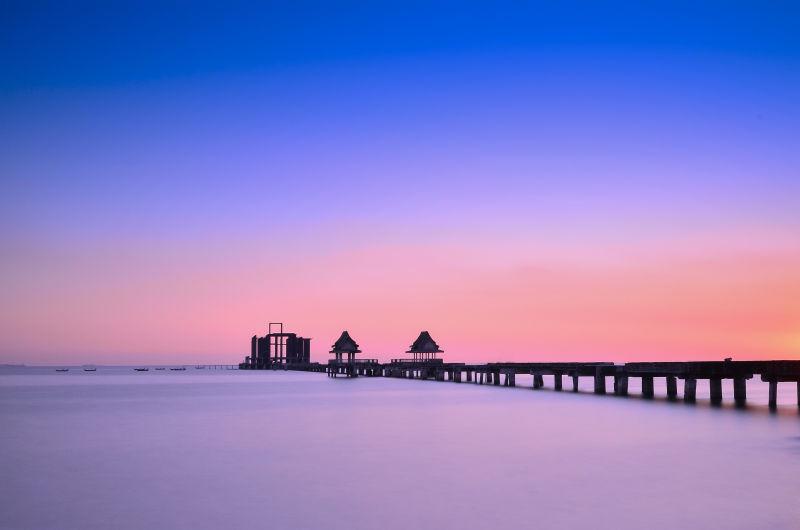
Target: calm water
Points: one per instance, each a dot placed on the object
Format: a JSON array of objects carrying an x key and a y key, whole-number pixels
[{"x": 228, "y": 449}]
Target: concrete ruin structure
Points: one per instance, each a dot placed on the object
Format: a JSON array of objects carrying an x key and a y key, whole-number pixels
[{"x": 277, "y": 349}]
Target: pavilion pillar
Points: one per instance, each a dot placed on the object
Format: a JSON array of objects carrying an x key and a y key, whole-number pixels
[
  {"x": 715, "y": 389},
  {"x": 538, "y": 380},
  {"x": 469, "y": 376},
  {"x": 557, "y": 381},
  {"x": 672, "y": 387},
  {"x": 575, "y": 378},
  {"x": 740, "y": 391},
  {"x": 496, "y": 378},
  {"x": 512, "y": 379},
  {"x": 647, "y": 387}
]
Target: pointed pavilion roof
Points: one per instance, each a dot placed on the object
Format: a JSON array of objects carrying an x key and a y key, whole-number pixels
[
  {"x": 345, "y": 344},
  {"x": 424, "y": 344}
]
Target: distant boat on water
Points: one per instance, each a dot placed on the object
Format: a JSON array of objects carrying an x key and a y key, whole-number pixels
[
  {"x": 90, "y": 369},
  {"x": 141, "y": 369},
  {"x": 160, "y": 368},
  {"x": 62, "y": 369},
  {"x": 178, "y": 368}
]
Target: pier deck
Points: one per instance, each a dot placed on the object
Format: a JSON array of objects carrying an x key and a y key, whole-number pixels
[{"x": 772, "y": 372}]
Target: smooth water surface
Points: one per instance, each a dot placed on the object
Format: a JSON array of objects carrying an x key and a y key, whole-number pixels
[{"x": 207, "y": 449}]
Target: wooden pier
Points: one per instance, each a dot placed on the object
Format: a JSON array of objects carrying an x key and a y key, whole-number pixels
[
  {"x": 423, "y": 363},
  {"x": 505, "y": 374}
]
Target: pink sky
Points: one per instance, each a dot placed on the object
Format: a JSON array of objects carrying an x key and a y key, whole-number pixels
[{"x": 695, "y": 297}]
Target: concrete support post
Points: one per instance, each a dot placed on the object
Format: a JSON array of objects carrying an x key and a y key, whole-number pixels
[
  {"x": 575, "y": 382},
  {"x": 715, "y": 390},
  {"x": 558, "y": 381},
  {"x": 538, "y": 380},
  {"x": 690, "y": 390},
  {"x": 480, "y": 378},
  {"x": 740, "y": 391},
  {"x": 672, "y": 387},
  {"x": 469, "y": 376},
  {"x": 496, "y": 378},
  {"x": 599, "y": 381},
  {"x": 647, "y": 387},
  {"x": 621, "y": 385},
  {"x": 513, "y": 380},
  {"x": 773, "y": 395}
]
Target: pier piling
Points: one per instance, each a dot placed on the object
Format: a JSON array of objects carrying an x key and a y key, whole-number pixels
[
  {"x": 672, "y": 387},
  {"x": 773, "y": 394},
  {"x": 599, "y": 381},
  {"x": 740, "y": 391},
  {"x": 690, "y": 390},
  {"x": 647, "y": 387},
  {"x": 621, "y": 385},
  {"x": 715, "y": 390}
]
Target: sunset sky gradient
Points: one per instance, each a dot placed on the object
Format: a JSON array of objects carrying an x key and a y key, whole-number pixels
[{"x": 562, "y": 181}]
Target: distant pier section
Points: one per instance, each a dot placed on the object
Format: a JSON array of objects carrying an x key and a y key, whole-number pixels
[{"x": 279, "y": 350}]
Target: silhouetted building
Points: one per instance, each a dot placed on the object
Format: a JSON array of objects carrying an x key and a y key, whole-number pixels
[
  {"x": 345, "y": 345},
  {"x": 277, "y": 349},
  {"x": 424, "y": 348}
]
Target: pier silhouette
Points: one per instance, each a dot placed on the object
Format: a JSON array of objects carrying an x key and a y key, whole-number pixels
[{"x": 424, "y": 364}]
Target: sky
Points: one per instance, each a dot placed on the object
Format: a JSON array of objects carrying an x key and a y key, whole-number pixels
[{"x": 527, "y": 181}]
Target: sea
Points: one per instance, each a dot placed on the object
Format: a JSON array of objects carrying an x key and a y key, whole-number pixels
[{"x": 230, "y": 449}]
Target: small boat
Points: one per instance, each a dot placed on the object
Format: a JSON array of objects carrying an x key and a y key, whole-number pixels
[
  {"x": 141, "y": 369},
  {"x": 160, "y": 368},
  {"x": 62, "y": 369},
  {"x": 178, "y": 368},
  {"x": 90, "y": 369}
]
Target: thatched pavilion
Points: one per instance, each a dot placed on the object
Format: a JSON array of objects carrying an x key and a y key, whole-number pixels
[
  {"x": 424, "y": 348},
  {"x": 345, "y": 345}
]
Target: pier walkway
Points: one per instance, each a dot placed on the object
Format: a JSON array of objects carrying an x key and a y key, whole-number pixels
[{"x": 505, "y": 374}]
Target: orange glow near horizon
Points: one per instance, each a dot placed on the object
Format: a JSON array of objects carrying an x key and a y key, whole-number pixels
[{"x": 686, "y": 301}]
